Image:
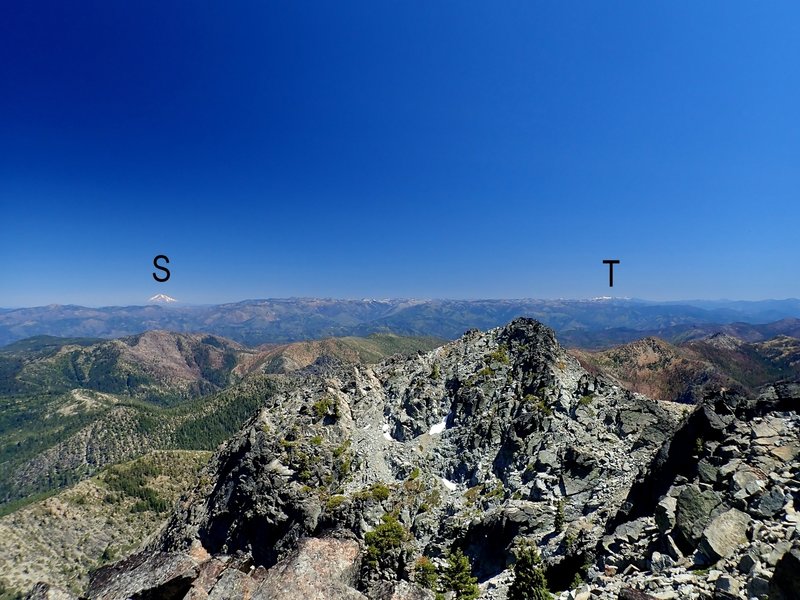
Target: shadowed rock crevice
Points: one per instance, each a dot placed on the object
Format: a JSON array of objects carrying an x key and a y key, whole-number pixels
[{"x": 675, "y": 458}]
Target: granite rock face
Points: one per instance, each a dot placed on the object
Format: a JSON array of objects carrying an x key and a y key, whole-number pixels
[{"x": 344, "y": 482}]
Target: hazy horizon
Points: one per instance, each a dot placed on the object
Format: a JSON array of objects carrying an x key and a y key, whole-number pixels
[{"x": 185, "y": 304}]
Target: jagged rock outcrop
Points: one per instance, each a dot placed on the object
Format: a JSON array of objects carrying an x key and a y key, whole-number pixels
[
  {"x": 343, "y": 482},
  {"x": 472, "y": 445},
  {"x": 727, "y": 518}
]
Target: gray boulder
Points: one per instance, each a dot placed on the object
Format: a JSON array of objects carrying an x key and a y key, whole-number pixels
[
  {"x": 693, "y": 512},
  {"x": 660, "y": 562},
  {"x": 725, "y": 534},
  {"x": 727, "y": 584},
  {"x": 665, "y": 514},
  {"x": 769, "y": 504},
  {"x": 146, "y": 575},
  {"x": 707, "y": 472}
]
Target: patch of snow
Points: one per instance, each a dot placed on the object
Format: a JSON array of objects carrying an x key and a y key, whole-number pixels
[
  {"x": 439, "y": 427},
  {"x": 277, "y": 467},
  {"x": 386, "y": 433},
  {"x": 449, "y": 484}
]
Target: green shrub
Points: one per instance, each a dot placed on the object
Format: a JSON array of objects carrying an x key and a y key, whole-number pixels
[
  {"x": 339, "y": 450},
  {"x": 380, "y": 491},
  {"x": 377, "y": 491},
  {"x": 577, "y": 581},
  {"x": 699, "y": 443},
  {"x": 538, "y": 405},
  {"x": 586, "y": 400},
  {"x": 570, "y": 542},
  {"x": 486, "y": 372},
  {"x": 325, "y": 406},
  {"x": 108, "y": 554},
  {"x": 473, "y": 493},
  {"x": 500, "y": 355},
  {"x": 498, "y": 492},
  {"x": 334, "y": 502},
  {"x": 425, "y": 573},
  {"x": 389, "y": 535}
]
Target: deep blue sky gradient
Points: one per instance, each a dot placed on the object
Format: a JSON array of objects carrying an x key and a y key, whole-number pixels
[{"x": 398, "y": 149}]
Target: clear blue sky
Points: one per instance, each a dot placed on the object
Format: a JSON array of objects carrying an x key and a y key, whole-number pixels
[{"x": 398, "y": 149}]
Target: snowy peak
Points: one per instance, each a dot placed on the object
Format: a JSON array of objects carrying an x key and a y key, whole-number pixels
[{"x": 162, "y": 299}]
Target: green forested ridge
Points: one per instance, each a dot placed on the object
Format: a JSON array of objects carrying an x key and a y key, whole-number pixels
[
  {"x": 45, "y": 344},
  {"x": 378, "y": 346},
  {"x": 118, "y": 431},
  {"x": 69, "y": 406}
]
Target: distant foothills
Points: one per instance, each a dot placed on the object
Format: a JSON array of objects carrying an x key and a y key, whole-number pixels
[{"x": 593, "y": 323}]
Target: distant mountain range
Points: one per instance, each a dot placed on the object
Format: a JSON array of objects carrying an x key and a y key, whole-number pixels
[{"x": 593, "y": 323}]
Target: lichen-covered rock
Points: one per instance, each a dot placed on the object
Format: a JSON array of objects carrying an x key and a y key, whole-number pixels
[{"x": 725, "y": 534}]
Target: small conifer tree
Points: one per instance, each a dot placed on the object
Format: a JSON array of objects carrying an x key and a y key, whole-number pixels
[
  {"x": 458, "y": 578},
  {"x": 529, "y": 581},
  {"x": 558, "y": 523}
]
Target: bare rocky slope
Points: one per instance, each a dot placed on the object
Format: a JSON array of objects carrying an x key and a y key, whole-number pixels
[
  {"x": 345, "y": 480},
  {"x": 686, "y": 372},
  {"x": 58, "y": 540}
]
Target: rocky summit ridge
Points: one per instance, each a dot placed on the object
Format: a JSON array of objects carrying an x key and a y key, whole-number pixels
[{"x": 346, "y": 484}]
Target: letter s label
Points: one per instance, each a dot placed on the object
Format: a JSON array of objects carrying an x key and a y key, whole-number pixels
[{"x": 159, "y": 267}]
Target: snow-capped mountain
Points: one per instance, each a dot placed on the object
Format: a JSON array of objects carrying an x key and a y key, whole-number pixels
[{"x": 162, "y": 299}]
